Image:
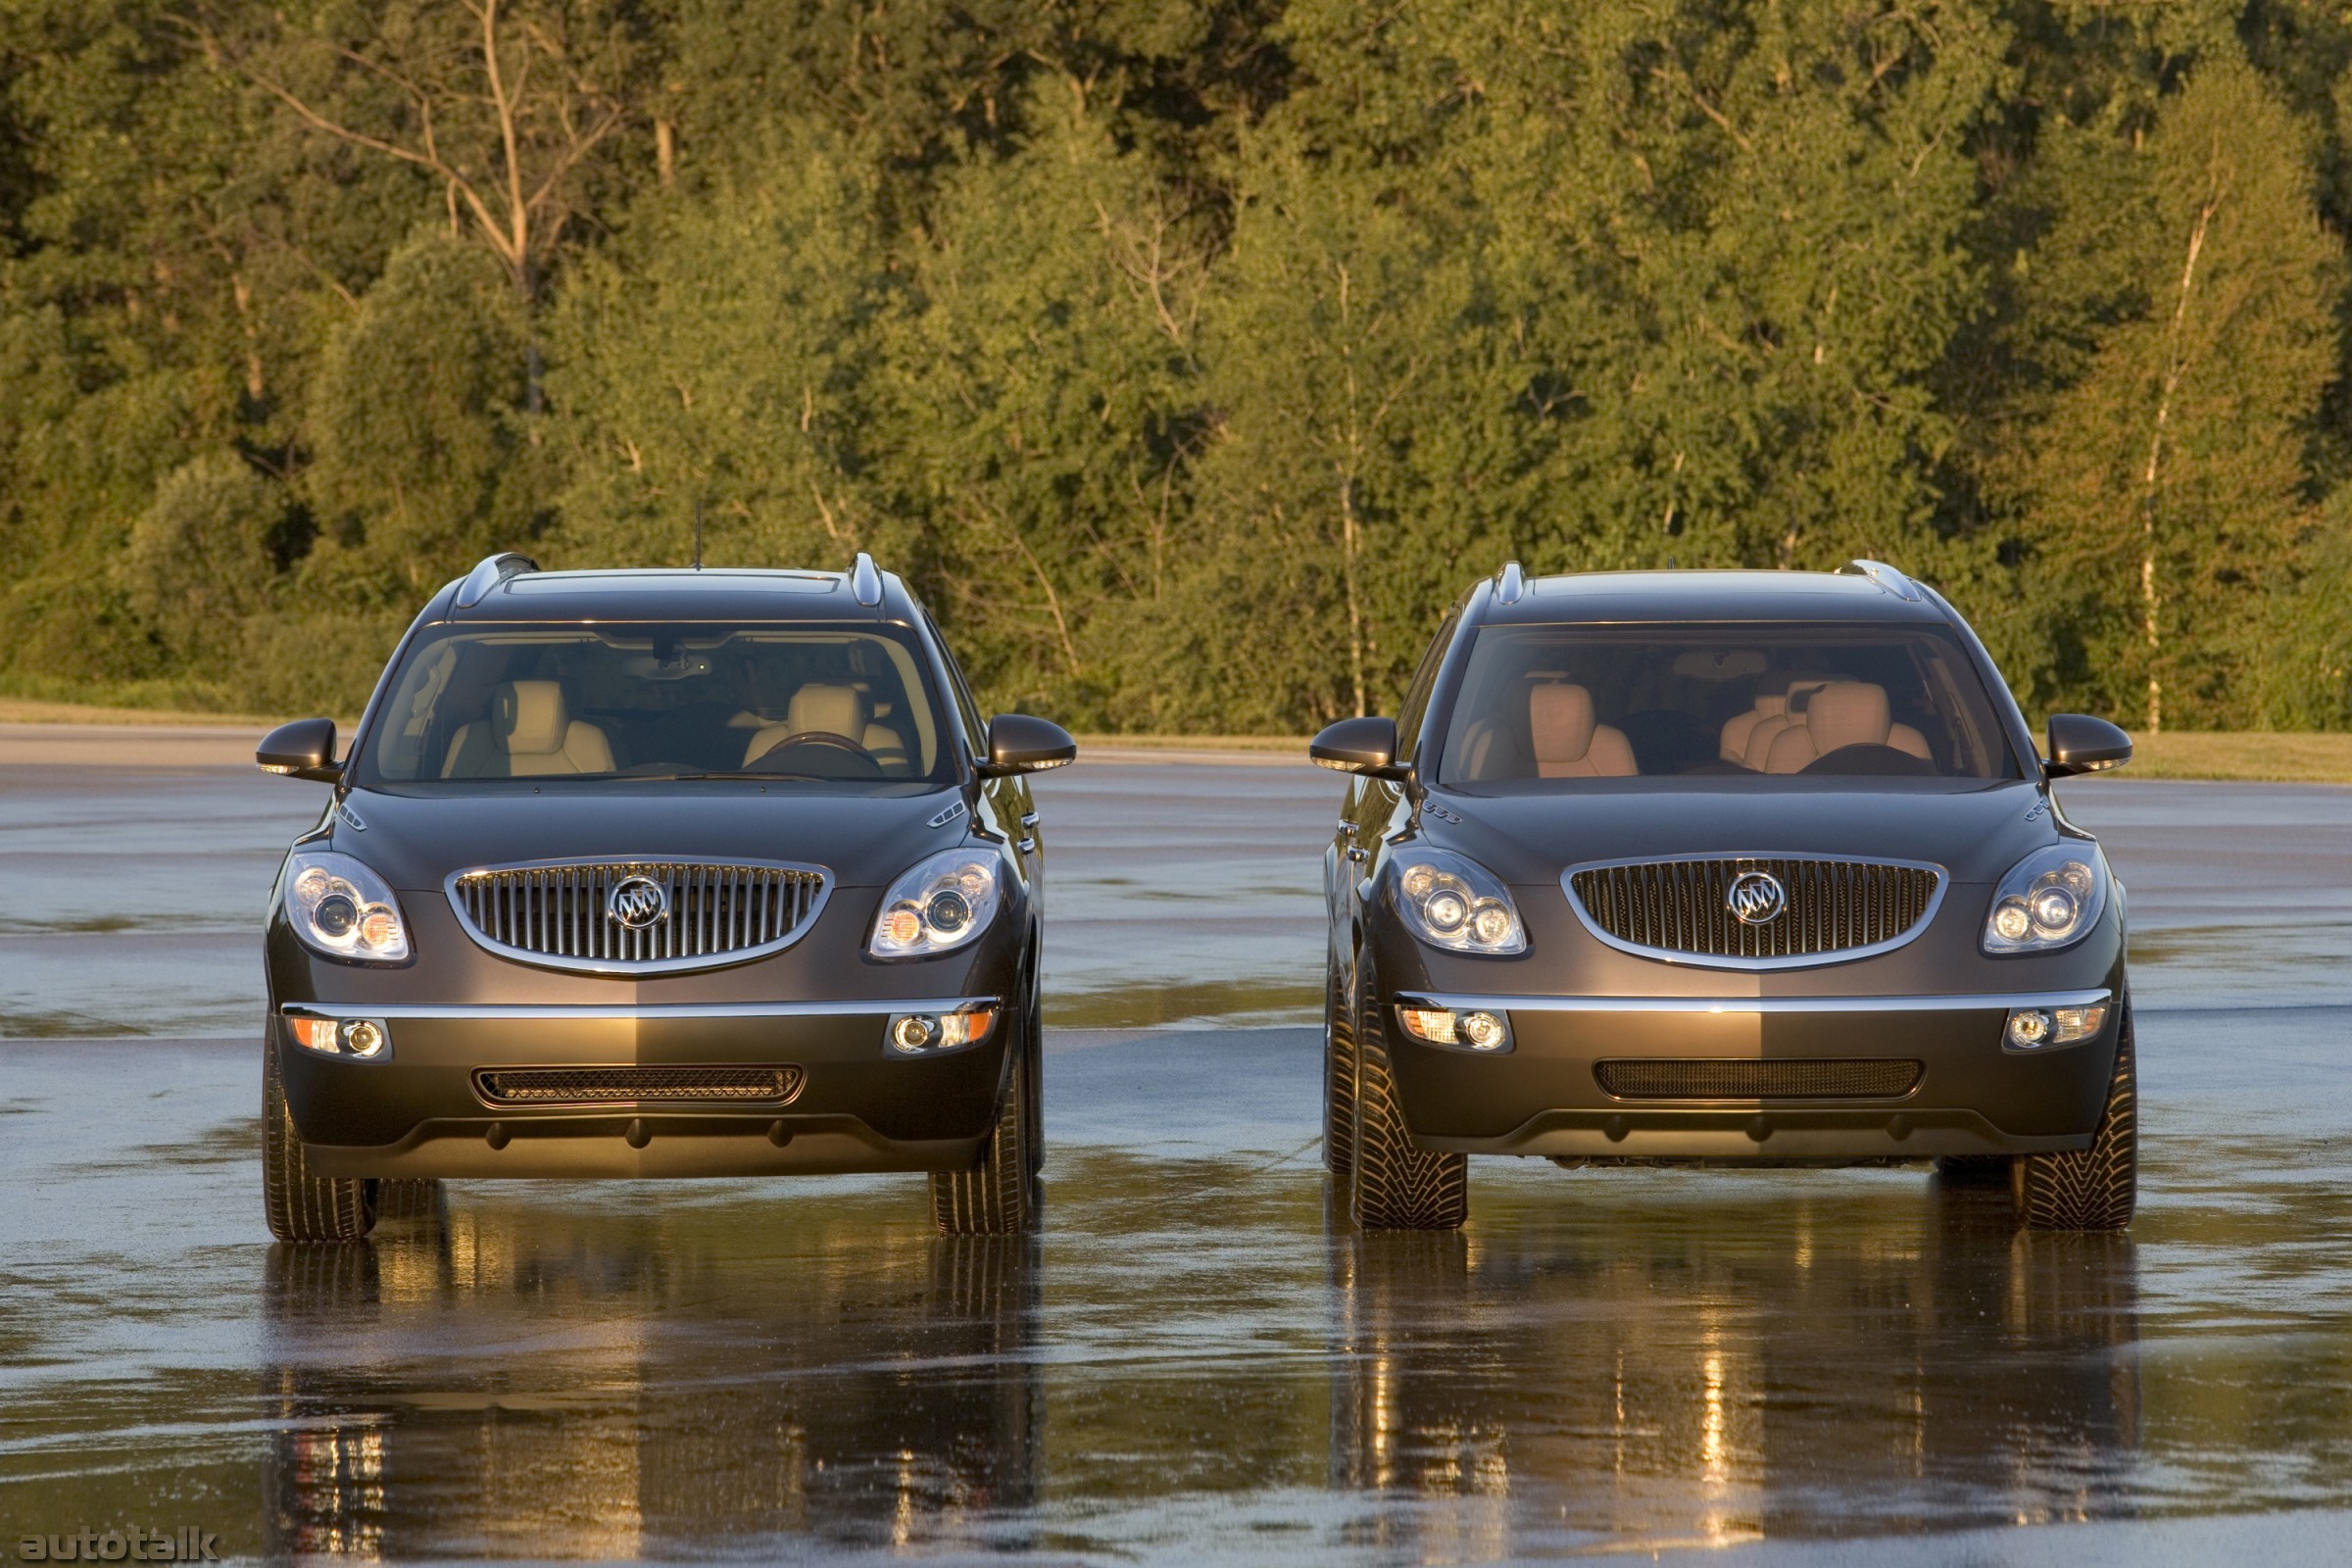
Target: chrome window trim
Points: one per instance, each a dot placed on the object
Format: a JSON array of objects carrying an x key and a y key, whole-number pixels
[
  {"x": 1795, "y": 961},
  {"x": 1986, "y": 1001},
  {"x": 651, "y": 1011},
  {"x": 637, "y": 967}
]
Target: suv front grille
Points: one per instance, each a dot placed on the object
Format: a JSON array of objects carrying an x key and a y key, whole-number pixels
[
  {"x": 607, "y": 1086},
  {"x": 1669, "y": 1078},
  {"x": 1681, "y": 909},
  {"x": 682, "y": 915}
]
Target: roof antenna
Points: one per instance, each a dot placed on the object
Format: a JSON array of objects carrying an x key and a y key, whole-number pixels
[{"x": 697, "y": 536}]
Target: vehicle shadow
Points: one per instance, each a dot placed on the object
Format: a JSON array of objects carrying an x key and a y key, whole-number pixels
[
  {"x": 520, "y": 1378},
  {"x": 1676, "y": 1359}
]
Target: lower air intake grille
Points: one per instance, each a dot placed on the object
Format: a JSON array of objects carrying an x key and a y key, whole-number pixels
[
  {"x": 607, "y": 1086},
  {"x": 1740, "y": 1079}
]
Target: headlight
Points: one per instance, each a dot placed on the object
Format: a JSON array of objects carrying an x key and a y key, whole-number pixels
[
  {"x": 343, "y": 909},
  {"x": 2049, "y": 900},
  {"x": 1455, "y": 904},
  {"x": 942, "y": 902}
]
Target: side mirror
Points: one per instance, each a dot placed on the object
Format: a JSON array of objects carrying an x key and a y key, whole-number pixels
[
  {"x": 1021, "y": 744},
  {"x": 304, "y": 748},
  {"x": 1358, "y": 745},
  {"x": 2081, "y": 744}
]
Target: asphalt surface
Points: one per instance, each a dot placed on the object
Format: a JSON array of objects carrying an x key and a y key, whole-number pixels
[{"x": 1193, "y": 1364}]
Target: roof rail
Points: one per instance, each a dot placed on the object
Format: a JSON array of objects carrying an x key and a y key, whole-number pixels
[
  {"x": 1509, "y": 583},
  {"x": 1886, "y": 578},
  {"x": 493, "y": 570},
  {"x": 865, "y": 582}
]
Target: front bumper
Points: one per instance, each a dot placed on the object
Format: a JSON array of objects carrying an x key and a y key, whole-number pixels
[
  {"x": 420, "y": 1109},
  {"x": 1972, "y": 1095}
]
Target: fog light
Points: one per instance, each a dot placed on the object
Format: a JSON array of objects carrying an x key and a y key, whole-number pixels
[
  {"x": 966, "y": 1028},
  {"x": 363, "y": 1037},
  {"x": 912, "y": 1033},
  {"x": 314, "y": 1033},
  {"x": 1484, "y": 1031},
  {"x": 1478, "y": 1030},
  {"x": 2028, "y": 1028}
]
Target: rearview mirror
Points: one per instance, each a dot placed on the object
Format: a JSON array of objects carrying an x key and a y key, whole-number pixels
[
  {"x": 2081, "y": 744},
  {"x": 1358, "y": 745},
  {"x": 1021, "y": 744},
  {"x": 304, "y": 748}
]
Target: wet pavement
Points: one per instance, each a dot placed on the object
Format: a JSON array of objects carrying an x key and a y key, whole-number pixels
[{"x": 1193, "y": 1364}]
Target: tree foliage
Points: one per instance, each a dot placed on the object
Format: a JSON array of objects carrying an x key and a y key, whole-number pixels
[{"x": 1190, "y": 355}]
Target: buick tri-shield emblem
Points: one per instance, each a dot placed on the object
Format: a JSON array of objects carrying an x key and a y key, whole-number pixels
[
  {"x": 1756, "y": 898},
  {"x": 639, "y": 903}
]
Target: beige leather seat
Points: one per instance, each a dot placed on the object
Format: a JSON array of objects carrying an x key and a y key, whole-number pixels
[
  {"x": 1568, "y": 743},
  {"x": 1843, "y": 712},
  {"x": 531, "y": 734},
  {"x": 831, "y": 711},
  {"x": 1740, "y": 726},
  {"x": 1768, "y": 728}
]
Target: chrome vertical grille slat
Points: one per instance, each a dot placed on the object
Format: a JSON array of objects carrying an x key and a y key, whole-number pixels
[
  {"x": 1679, "y": 909},
  {"x": 716, "y": 912}
]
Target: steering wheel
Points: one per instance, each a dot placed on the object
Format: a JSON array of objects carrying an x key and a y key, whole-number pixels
[{"x": 820, "y": 737}]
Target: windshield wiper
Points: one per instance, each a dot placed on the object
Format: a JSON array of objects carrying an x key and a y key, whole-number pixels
[{"x": 763, "y": 777}]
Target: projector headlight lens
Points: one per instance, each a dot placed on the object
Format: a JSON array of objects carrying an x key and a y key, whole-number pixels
[
  {"x": 942, "y": 902},
  {"x": 341, "y": 909},
  {"x": 1453, "y": 903},
  {"x": 2049, "y": 900}
]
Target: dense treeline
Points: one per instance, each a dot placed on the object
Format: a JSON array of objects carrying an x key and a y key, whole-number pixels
[{"x": 1187, "y": 353}]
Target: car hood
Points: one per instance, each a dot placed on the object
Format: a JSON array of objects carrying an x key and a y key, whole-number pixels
[
  {"x": 1973, "y": 831},
  {"x": 416, "y": 840}
]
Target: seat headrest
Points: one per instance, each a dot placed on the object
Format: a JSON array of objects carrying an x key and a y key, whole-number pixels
[
  {"x": 533, "y": 717},
  {"x": 1847, "y": 712},
  {"x": 835, "y": 709},
  {"x": 1771, "y": 703},
  {"x": 1560, "y": 722}
]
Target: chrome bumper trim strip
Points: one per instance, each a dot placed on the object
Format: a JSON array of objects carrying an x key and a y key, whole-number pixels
[
  {"x": 1989, "y": 1001},
  {"x": 651, "y": 1011}
]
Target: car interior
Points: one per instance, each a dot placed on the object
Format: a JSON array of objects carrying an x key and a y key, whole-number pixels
[
  {"x": 1564, "y": 703},
  {"x": 652, "y": 701}
]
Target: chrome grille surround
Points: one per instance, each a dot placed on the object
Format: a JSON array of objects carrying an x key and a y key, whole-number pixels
[
  {"x": 554, "y": 913},
  {"x": 1674, "y": 908}
]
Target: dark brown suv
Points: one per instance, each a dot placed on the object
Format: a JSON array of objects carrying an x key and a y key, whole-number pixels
[
  {"x": 1727, "y": 867},
  {"x": 660, "y": 873}
]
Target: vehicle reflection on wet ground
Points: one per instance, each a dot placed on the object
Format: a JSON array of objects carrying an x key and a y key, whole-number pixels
[{"x": 1194, "y": 1364}]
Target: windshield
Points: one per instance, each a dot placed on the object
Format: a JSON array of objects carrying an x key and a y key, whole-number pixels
[
  {"x": 638, "y": 700},
  {"x": 1564, "y": 703}
]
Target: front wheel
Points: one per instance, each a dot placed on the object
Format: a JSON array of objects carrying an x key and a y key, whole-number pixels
[
  {"x": 301, "y": 1206},
  {"x": 999, "y": 1195},
  {"x": 2092, "y": 1188},
  {"x": 1396, "y": 1185},
  {"x": 1339, "y": 1078}
]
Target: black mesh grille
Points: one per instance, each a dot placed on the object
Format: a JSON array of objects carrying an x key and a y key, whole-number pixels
[
  {"x": 1674, "y": 1078},
  {"x": 561, "y": 912},
  {"x": 600, "y": 1085},
  {"x": 1682, "y": 905}
]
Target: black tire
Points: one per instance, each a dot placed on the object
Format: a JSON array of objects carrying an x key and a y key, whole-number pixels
[
  {"x": 301, "y": 1206},
  {"x": 1338, "y": 1077},
  {"x": 1033, "y": 1081},
  {"x": 1975, "y": 1170},
  {"x": 999, "y": 1195},
  {"x": 2092, "y": 1188},
  {"x": 1396, "y": 1185}
]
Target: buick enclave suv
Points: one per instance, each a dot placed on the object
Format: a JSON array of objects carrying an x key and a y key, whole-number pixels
[
  {"x": 660, "y": 873},
  {"x": 1721, "y": 867}
]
